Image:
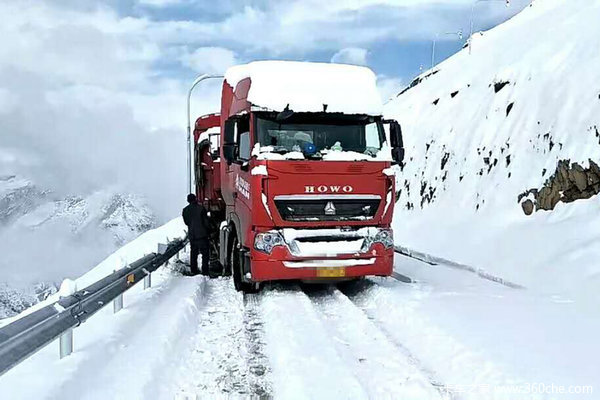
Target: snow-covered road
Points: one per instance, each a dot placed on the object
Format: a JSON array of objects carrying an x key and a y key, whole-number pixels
[{"x": 447, "y": 335}]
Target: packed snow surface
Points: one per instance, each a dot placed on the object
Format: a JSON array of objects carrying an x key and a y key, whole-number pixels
[
  {"x": 447, "y": 335},
  {"x": 307, "y": 87}
]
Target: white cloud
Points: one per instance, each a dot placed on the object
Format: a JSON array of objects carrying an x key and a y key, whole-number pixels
[
  {"x": 83, "y": 106},
  {"x": 7, "y": 101},
  {"x": 351, "y": 55},
  {"x": 159, "y": 3},
  {"x": 210, "y": 59}
]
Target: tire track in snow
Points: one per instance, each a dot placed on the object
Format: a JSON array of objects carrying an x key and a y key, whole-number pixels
[
  {"x": 385, "y": 367},
  {"x": 301, "y": 352},
  {"x": 396, "y": 311},
  {"x": 217, "y": 362},
  {"x": 256, "y": 360}
]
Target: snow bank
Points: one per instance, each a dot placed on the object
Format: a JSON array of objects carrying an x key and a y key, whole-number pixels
[
  {"x": 124, "y": 355},
  {"x": 307, "y": 87},
  {"x": 490, "y": 126}
]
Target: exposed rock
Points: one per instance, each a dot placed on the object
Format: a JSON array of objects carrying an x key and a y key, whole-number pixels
[
  {"x": 498, "y": 86},
  {"x": 445, "y": 159},
  {"x": 569, "y": 183},
  {"x": 509, "y": 108}
]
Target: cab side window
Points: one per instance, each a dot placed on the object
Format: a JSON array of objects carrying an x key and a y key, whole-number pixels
[{"x": 243, "y": 137}]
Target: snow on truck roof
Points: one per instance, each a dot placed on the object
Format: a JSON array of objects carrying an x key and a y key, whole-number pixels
[{"x": 306, "y": 86}]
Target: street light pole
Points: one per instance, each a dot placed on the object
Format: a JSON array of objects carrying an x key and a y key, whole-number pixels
[
  {"x": 471, "y": 23},
  {"x": 459, "y": 33},
  {"x": 189, "y": 127}
]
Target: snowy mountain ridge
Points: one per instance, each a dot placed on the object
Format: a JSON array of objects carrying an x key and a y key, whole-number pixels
[{"x": 66, "y": 236}]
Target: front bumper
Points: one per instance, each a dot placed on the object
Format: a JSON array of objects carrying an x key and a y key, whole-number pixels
[{"x": 282, "y": 265}]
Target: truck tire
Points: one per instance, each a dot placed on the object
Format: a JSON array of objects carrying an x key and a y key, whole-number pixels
[{"x": 235, "y": 261}]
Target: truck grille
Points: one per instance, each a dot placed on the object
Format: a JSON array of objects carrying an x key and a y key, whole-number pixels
[{"x": 328, "y": 208}]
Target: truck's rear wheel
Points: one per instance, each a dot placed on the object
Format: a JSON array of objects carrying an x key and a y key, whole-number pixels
[{"x": 235, "y": 261}]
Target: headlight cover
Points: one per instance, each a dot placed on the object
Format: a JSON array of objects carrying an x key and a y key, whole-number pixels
[
  {"x": 265, "y": 242},
  {"x": 383, "y": 236}
]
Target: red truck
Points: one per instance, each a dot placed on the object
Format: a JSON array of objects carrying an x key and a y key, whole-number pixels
[{"x": 296, "y": 172}]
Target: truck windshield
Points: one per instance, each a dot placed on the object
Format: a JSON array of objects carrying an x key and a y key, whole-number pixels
[{"x": 316, "y": 134}]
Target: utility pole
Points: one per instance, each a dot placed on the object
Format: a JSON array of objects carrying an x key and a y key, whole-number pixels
[
  {"x": 472, "y": 18},
  {"x": 459, "y": 33},
  {"x": 189, "y": 148}
]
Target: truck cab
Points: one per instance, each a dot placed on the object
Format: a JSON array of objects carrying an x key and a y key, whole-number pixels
[{"x": 306, "y": 189}]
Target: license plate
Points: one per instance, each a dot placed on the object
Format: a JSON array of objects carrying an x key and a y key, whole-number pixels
[{"x": 331, "y": 272}]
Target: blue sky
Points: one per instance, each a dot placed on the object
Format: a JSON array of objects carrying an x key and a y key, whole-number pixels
[{"x": 394, "y": 38}]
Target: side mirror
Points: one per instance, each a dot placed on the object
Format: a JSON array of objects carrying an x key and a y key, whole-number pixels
[
  {"x": 395, "y": 135},
  {"x": 396, "y": 142},
  {"x": 229, "y": 152},
  {"x": 398, "y": 154}
]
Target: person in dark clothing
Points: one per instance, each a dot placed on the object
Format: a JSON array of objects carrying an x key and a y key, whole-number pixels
[{"x": 196, "y": 218}]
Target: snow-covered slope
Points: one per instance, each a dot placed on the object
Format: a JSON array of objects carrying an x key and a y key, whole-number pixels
[{"x": 491, "y": 126}]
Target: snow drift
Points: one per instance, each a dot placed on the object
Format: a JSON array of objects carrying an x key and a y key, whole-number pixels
[{"x": 487, "y": 128}]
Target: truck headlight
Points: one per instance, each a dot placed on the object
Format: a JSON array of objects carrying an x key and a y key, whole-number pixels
[
  {"x": 265, "y": 242},
  {"x": 383, "y": 236}
]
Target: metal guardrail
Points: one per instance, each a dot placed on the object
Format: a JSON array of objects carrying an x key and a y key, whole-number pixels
[
  {"x": 29, "y": 334},
  {"x": 433, "y": 260}
]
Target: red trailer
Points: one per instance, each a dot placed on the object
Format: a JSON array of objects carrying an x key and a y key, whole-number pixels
[{"x": 296, "y": 171}]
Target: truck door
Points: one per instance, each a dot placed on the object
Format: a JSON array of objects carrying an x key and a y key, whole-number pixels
[{"x": 238, "y": 171}]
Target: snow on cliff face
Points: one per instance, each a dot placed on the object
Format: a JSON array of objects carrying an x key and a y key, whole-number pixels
[{"x": 490, "y": 126}]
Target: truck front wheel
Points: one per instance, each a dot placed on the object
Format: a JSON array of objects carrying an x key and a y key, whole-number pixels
[{"x": 235, "y": 261}]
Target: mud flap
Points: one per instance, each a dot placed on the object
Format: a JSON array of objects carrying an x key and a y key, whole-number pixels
[
  {"x": 224, "y": 245},
  {"x": 245, "y": 265}
]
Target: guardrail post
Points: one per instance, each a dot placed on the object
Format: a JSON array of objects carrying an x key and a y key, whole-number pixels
[
  {"x": 118, "y": 302},
  {"x": 67, "y": 288},
  {"x": 148, "y": 281},
  {"x": 66, "y": 343}
]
